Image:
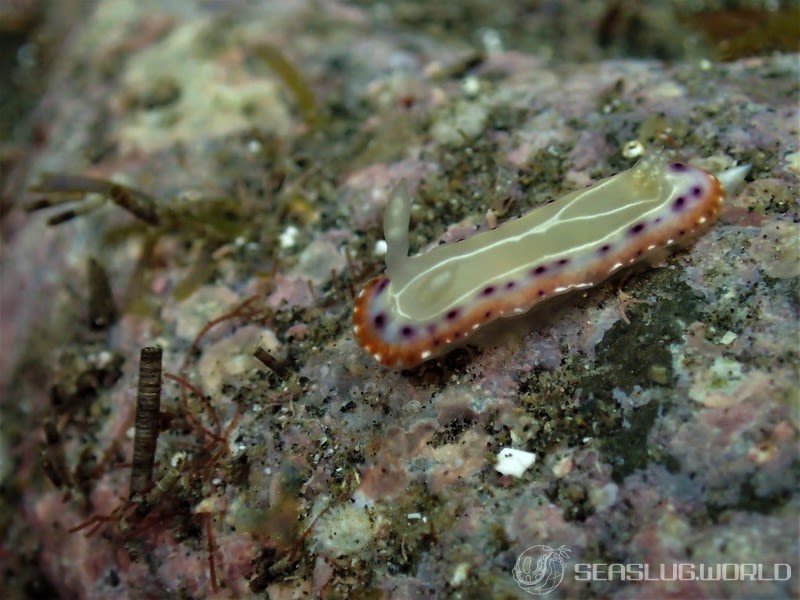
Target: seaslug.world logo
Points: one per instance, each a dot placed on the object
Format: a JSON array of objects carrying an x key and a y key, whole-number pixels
[{"x": 540, "y": 569}]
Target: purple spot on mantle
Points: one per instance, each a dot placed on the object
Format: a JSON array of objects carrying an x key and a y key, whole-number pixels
[
  {"x": 538, "y": 270},
  {"x": 697, "y": 191},
  {"x": 604, "y": 248},
  {"x": 658, "y": 220},
  {"x": 678, "y": 167},
  {"x": 488, "y": 290},
  {"x": 562, "y": 261},
  {"x": 407, "y": 331},
  {"x": 380, "y": 320},
  {"x": 638, "y": 228},
  {"x": 382, "y": 285},
  {"x": 452, "y": 314},
  {"x": 510, "y": 285},
  {"x": 679, "y": 203}
]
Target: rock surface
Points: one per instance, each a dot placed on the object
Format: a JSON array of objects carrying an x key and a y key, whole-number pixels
[{"x": 664, "y": 418}]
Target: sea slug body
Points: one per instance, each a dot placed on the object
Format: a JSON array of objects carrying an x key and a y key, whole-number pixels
[{"x": 425, "y": 304}]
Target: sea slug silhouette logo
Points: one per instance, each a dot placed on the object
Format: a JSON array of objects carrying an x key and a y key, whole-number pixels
[{"x": 540, "y": 569}]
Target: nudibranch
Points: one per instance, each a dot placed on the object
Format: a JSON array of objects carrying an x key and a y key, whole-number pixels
[{"x": 425, "y": 304}]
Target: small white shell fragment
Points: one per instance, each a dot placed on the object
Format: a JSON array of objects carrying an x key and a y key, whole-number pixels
[
  {"x": 471, "y": 86},
  {"x": 177, "y": 459},
  {"x": 514, "y": 462},
  {"x": 633, "y": 149},
  {"x": 459, "y": 574},
  {"x": 289, "y": 236}
]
